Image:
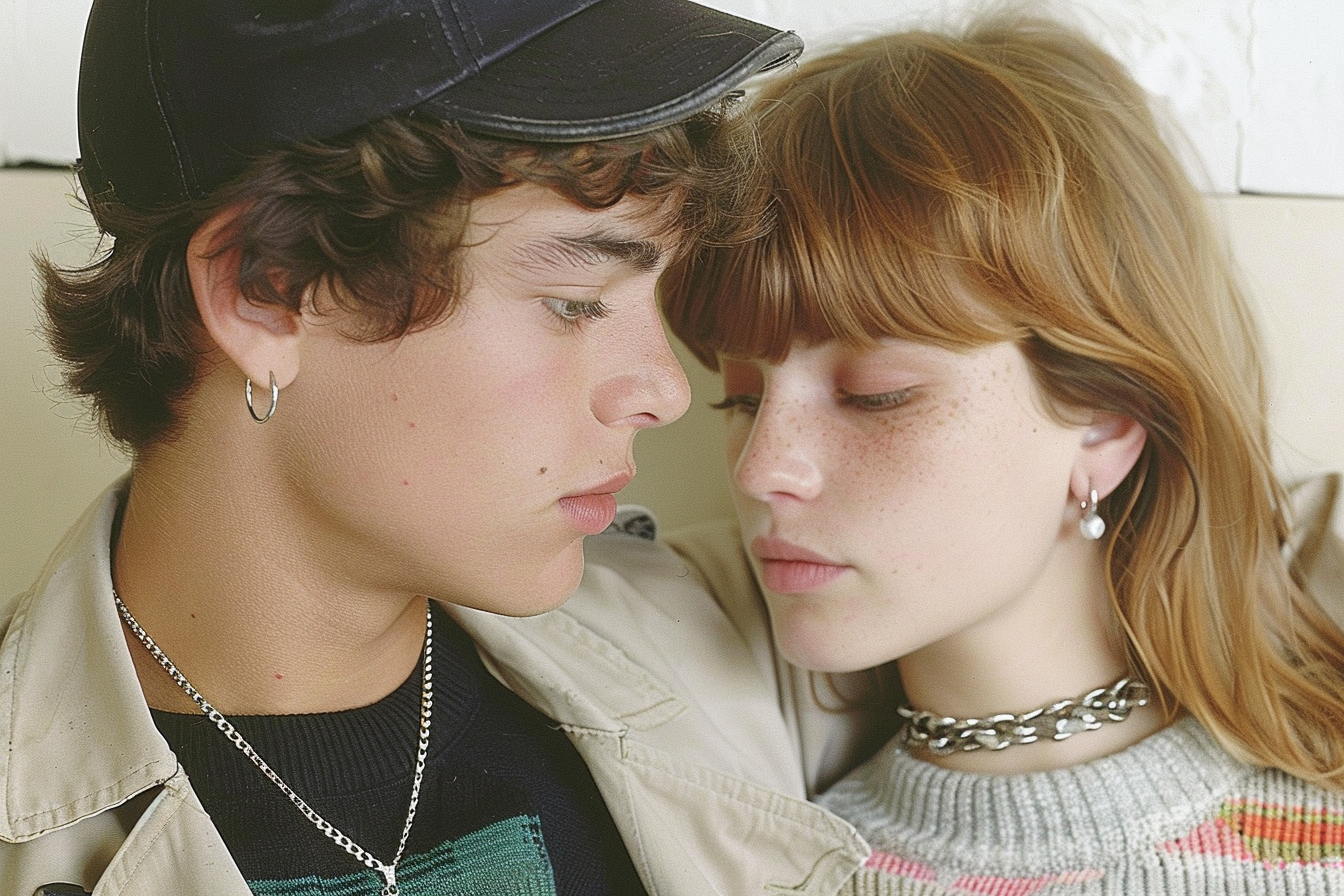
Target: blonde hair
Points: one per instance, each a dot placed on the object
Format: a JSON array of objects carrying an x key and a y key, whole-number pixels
[{"x": 1020, "y": 164}]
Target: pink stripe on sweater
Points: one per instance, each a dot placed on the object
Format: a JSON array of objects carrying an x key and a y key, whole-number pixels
[{"x": 899, "y": 867}]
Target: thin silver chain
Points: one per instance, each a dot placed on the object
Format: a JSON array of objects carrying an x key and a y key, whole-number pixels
[
  {"x": 387, "y": 869},
  {"x": 1060, "y": 720}
]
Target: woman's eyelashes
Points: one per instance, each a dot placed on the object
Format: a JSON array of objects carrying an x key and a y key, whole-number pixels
[
  {"x": 744, "y": 402},
  {"x": 571, "y": 313},
  {"x": 876, "y": 401}
]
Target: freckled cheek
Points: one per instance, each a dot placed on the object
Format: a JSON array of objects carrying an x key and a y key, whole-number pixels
[
  {"x": 896, "y": 448},
  {"x": 909, "y": 469}
]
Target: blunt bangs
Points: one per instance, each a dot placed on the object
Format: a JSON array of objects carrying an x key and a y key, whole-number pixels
[{"x": 895, "y": 225}]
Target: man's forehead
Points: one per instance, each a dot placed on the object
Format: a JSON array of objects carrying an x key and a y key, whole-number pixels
[{"x": 540, "y": 229}]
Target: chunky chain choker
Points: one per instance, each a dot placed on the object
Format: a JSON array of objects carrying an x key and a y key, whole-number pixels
[
  {"x": 387, "y": 869},
  {"x": 941, "y": 736}
]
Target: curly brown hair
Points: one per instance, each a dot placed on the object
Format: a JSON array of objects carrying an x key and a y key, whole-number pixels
[{"x": 376, "y": 216}]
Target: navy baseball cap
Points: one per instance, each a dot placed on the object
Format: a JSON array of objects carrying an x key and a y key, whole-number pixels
[{"x": 175, "y": 96}]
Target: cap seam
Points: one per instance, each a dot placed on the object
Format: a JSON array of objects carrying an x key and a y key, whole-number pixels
[
  {"x": 159, "y": 106},
  {"x": 472, "y": 53},
  {"x": 466, "y": 23}
]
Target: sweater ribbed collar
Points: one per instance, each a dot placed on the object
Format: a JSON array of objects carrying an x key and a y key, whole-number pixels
[{"x": 1087, "y": 815}]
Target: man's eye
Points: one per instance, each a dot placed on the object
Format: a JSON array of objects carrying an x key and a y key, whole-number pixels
[
  {"x": 878, "y": 401},
  {"x": 572, "y": 312},
  {"x": 745, "y": 403}
]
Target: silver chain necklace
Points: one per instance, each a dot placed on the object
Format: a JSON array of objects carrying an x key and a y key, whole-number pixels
[
  {"x": 1058, "y": 721},
  {"x": 387, "y": 869}
]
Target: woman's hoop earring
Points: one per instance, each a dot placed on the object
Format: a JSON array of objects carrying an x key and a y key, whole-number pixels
[
  {"x": 275, "y": 398},
  {"x": 1091, "y": 525}
]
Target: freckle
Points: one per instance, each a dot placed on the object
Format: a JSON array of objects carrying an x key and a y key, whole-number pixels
[{"x": 394, "y": 396}]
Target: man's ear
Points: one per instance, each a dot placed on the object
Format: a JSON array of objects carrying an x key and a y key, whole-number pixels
[
  {"x": 1109, "y": 448},
  {"x": 260, "y": 339}
]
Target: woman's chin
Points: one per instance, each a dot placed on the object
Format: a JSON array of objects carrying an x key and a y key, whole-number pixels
[{"x": 807, "y": 648}]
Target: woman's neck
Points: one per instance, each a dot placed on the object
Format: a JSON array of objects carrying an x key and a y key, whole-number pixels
[
  {"x": 227, "y": 583},
  {"x": 1056, "y": 642}
]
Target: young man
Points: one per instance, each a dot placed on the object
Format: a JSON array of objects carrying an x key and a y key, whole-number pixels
[{"x": 376, "y": 322}]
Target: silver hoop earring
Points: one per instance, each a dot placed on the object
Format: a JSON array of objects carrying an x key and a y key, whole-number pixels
[
  {"x": 1091, "y": 525},
  {"x": 275, "y": 398}
]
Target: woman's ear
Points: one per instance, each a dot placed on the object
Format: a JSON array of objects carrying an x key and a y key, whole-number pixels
[
  {"x": 1109, "y": 448},
  {"x": 260, "y": 339}
]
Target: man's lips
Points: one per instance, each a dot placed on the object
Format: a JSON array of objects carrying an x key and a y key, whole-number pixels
[
  {"x": 787, "y": 568},
  {"x": 591, "y": 510},
  {"x": 610, "y": 487}
]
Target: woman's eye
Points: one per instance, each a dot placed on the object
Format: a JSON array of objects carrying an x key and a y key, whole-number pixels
[
  {"x": 745, "y": 403},
  {"x": 877, "y": 401},
  {"x": 571, "y": 312}
]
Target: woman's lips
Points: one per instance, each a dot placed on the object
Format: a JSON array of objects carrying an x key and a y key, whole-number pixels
[
  {"x": 798, "y": 576},
  {"x": 787, "y": 568}
]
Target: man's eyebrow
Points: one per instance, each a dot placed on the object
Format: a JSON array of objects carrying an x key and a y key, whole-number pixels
[{"x": 599, "y": 247}]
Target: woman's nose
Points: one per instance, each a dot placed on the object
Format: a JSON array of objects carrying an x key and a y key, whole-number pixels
[{"x": 778, "y": 460}]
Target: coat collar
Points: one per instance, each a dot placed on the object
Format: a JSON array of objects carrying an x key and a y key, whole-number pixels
[
  {"x": 643, "y": 651},
  {"x": 81, "y": 739}
]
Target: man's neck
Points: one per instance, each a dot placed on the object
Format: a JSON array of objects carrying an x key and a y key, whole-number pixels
[{"x": 232, "y": 588}]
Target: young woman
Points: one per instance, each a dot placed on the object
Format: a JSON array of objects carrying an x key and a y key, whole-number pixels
[
  {"x": 375, "y": 320},
  {"x": 996, "y": 413}
]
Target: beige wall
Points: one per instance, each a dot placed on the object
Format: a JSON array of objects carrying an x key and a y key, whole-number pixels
[
  {"x": 1292, "y": 250},
  {"x": 53, "y": 464}
]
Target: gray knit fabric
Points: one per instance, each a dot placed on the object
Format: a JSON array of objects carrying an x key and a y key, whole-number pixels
[{"x": 1174, "y": 814}]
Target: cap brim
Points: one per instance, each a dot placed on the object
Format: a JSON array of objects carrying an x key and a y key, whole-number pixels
[{"x": 619, "y": 67}]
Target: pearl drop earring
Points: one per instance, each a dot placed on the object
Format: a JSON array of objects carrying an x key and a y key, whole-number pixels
[{"x": 1091, "y": 525}]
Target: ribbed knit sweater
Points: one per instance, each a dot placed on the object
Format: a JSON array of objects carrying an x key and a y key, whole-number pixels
[{"x": 1173, "y": 814}]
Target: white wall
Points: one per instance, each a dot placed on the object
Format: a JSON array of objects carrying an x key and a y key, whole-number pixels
[{"x": 1257, "y": 84}]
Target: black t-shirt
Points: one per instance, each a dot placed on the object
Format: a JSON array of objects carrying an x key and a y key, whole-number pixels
[{"x": 507, "y": 806}]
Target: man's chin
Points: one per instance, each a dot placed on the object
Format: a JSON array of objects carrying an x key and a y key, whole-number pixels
[{"x": 549, "y": 589}]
